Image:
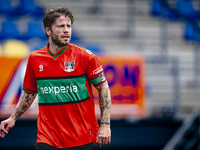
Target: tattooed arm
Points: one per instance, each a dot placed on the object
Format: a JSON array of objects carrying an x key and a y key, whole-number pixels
[
  {"x": 25, "y": 101},
  {"x": 104, "y": 134}
]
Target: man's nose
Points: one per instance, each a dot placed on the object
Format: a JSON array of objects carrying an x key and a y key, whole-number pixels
[{"x": 66, "y": 29}]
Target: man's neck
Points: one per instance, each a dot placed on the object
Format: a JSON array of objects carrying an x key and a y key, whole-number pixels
[{"x": 54, "y": 48}]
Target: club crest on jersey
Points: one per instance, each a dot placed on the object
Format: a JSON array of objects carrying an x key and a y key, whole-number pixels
[{"x": 69, "y": 66}]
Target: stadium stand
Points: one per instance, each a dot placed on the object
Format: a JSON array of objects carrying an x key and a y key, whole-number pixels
[
  {"x": 159, "y": 9},
  {"x": 106, "y": 29},
  {"x": 26, "y": 14},
  {"x": 30, "y": 7},
  {"x": 9, "y": 31},
  {"x": 187, "y": 136}
]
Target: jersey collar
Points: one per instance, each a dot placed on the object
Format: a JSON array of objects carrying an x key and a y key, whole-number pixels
[{"x": 58, "y": 53}]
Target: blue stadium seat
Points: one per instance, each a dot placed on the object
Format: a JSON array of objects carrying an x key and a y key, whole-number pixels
[
  {"x": 30, "y": 7},
  {"x": 189, "y": 34},
  {"x": 36, "y": 30},
  {"x": 9, "y": 31},
  {"x": 170, "y": 15},
  {"x": 156, "y": 8},
  {"x": 186, "y": 8},
  {"x": 6, "y": 8}
]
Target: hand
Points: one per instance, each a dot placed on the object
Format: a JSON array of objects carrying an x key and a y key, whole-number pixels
[
  {"x": 104, "y": 135},
  {"x": 5, "y": 126}
]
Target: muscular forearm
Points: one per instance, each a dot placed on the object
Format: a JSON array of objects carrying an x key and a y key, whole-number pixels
[
  {"x": 105, "y": 103},
  {"x": 104, "y": 133},
  {"x": 25, "y": 101}
]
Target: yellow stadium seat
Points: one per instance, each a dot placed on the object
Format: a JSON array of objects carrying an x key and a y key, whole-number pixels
[{"x": 15, "y": 48}]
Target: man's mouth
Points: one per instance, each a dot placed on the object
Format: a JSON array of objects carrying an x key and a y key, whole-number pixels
[{"x": 65, "y": 36}]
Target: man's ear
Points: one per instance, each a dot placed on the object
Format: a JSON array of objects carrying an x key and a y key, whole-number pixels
[{"x": 48, "y": 31}]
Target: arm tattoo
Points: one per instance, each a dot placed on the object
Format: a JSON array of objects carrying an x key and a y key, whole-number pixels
[
  {"x": 28, "y": 99},
  {"x": 24, "y": 103},
  {"x": 99, "y": 133},
  {"x": 105, "y": 105},
  {"x": 101, "y": 102},
  {"x": 105, "y": 122},
  {"x": 106, "y": 94},
  {"x": 104, "y": 101}
]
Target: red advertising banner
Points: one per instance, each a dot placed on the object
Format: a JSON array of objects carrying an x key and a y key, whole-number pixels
[
  {"x": 126, "y": 79},
  {"x": 125, "y": 76}
]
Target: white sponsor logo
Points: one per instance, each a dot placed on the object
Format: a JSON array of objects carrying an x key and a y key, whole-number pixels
[
  {"x": 98, "y": 70},
  {"x": 56, "y": 90},
  {"x": 40, "y": 67},
  {"x": 89, "y": 52}
]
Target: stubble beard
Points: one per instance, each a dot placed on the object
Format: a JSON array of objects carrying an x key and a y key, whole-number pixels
[{"x": 56, "y": 41}]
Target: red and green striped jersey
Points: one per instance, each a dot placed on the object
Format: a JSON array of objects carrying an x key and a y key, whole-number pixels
[{"x": 66, "y": 105}]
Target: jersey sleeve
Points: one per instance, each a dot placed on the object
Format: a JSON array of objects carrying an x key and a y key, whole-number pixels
[
  {"x": 95, "y": 72},
  {"x": 30, "y": 84}
]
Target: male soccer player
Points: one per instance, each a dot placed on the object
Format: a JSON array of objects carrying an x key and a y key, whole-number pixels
[{"x": 61, "y": 74}]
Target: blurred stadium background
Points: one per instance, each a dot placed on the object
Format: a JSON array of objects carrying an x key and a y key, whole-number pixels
[{"x": 163, "y": 34}]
